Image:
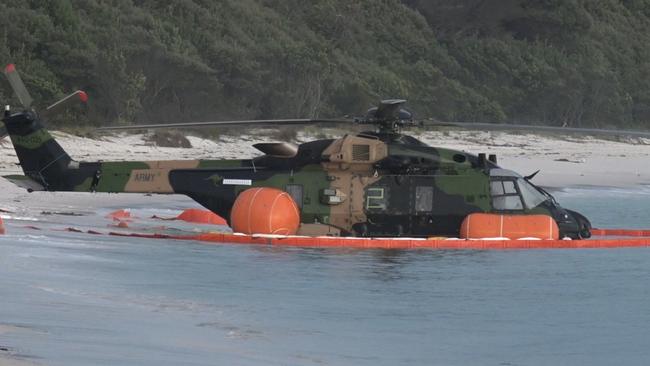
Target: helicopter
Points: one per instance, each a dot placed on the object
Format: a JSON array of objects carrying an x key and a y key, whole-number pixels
[{"x": 374, "y": 183}]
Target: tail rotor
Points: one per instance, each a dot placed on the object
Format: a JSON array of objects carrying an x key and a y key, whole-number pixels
[
  {"x": 27, "y": 102},
  {"x": 63, "y": 104},
  {"x": 18, "y": 86}
]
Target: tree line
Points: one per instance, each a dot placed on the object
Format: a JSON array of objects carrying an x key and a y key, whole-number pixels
[{"x": 556, "y": 62}]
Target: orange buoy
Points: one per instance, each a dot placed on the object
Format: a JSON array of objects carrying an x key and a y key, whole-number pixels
[
  {"x": 481, "y": 225},
  {"x": 199, "y": 216},
  {"x": 265, "y": 211},
  {"x": 119, "y": 214},
  {"x": 121, "y": 224},
  {"x": 2, "y": 227}
]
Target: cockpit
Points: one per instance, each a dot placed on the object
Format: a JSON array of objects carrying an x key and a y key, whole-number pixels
[{"x": 512, "y": 192}]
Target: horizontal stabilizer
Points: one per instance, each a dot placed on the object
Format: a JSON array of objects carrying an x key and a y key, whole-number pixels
[
  {"x": 278, "y": 149},
  {"x": 24, "y": 182}
]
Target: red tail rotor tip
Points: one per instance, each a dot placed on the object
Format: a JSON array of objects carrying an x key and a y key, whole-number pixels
[
  {"x": 83, "y": 96},
  {"x": 10, "y": 68}
]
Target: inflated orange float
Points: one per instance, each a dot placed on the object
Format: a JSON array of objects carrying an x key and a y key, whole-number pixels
[
  {"x": 119, "y": 215},
  {"x": 482, "y": 225},
  {"x": 265, "y": 211},
  {"x": 198, "y": 216}
]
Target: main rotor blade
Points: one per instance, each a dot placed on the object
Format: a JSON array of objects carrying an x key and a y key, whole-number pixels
[
  {"x": 18, "y": 86},
  {"x": 76, "y": 97},
  {"x": 299, "y": 121},
  {"x": 531, "y": 128}
]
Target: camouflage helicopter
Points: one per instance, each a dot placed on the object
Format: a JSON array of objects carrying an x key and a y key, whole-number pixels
[{"x": 375, "y": 183}]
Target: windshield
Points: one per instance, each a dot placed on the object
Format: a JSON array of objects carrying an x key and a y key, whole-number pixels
[
  {"x": 531, "y": 195},
  {"x": 544, "y": 192}
]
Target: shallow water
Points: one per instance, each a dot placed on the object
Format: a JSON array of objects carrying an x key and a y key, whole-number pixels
[{"x": 77, "y": 299}]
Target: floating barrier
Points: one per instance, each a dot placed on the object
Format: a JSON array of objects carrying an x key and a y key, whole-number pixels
[
  {"x": 396, "y": 243},
  {"x": 621, "y": 232},
  {"x": 625, "y": 238}
]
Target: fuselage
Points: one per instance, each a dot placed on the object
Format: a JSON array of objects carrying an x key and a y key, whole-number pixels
[
  {"x": 362, "y": 185},
  {"x": 370, "y": 184}
]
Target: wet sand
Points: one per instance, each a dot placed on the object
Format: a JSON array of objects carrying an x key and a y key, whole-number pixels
[{"x": 8, "y": 356}]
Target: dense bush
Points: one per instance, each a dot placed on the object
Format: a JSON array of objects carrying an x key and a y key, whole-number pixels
[{"x": 571, "y": 62}]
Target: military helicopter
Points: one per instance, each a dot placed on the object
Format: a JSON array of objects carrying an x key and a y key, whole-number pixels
[{"x": 375, "y": 183}]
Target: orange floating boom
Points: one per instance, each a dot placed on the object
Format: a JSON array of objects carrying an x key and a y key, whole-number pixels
[
  {"x": 401, "y": 243},
  {"x": 621, "y": 232},
  {"x": 393, "y": 243}
]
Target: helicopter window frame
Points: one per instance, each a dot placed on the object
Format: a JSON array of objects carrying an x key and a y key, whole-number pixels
[
  {"x": 531, "y": 196},
  {"x": 376, "y": 198},
  {"x": 496, "y": 188},
  {"x": 505, "y": 195}
]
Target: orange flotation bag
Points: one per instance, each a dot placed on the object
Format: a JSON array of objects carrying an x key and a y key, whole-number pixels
[
  {"x": 2, "y": 227},
  {"x": 482, "y": 225},
  {"x": 199, "y": 216},
  {"x": 265, "y": 211}
]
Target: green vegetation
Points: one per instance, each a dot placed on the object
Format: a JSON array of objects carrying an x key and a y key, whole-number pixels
[{"x": 573, "y": 62}]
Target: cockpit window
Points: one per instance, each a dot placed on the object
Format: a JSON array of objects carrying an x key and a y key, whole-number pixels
[
  {"x": 509, "y": 193},
  {"x": 376, "y": 198},
  {"x": 507, "y": 203},
  {"x": 505, "y": 196},
  {"x": 532, "y": 197},
  {"x": 501, "y": 187},
  {"x": 496, "y": 188}
]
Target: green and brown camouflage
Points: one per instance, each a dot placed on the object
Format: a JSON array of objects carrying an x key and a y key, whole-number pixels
[{"x": 371, "y": 184}]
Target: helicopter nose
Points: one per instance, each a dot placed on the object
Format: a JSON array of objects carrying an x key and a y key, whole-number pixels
[{"x": 573, "y": 225}]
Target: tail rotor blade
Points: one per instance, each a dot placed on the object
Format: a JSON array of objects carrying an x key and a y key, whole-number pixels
[
  {"x": 79, "y": 96},
  {"x": 18, "y": 86}
]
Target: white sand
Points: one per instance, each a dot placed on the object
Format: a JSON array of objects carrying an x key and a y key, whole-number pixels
[{"x": 563, "y": 162}]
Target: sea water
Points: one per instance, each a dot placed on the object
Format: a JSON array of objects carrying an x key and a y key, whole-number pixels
[{"x": 78, "y": 299}]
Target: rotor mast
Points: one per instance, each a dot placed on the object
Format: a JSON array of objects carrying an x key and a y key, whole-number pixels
[{"x": 389, "y": 117}]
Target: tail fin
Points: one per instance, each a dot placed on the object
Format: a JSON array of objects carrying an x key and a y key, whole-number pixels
[
  {"x": 43, "y": 160},
  {"x": 40, "y": 156}
]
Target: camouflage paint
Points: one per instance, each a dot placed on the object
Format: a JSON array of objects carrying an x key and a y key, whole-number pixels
[{"x": 370, "y": 184}]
